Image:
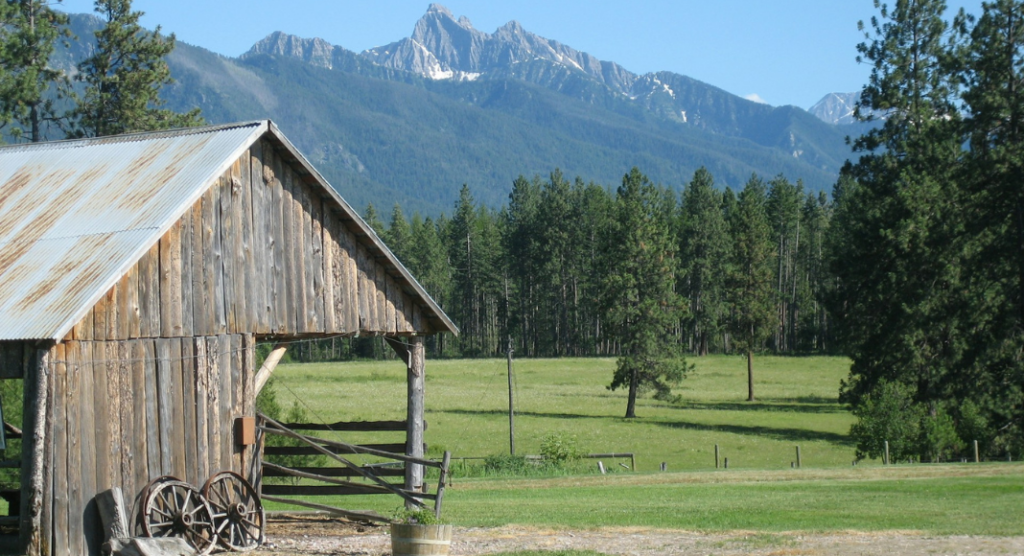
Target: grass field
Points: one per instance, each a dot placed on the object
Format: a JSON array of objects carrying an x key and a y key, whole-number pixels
[
  {"x": 467, "y": 405},
  {"x": 466, "y": 412}
]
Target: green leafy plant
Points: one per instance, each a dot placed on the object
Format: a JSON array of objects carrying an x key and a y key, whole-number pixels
[
  {"x": 560, "y": 449},
  {"x": 422, "y": 516}
]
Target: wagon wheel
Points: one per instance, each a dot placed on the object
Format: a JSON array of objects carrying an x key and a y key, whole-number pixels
[
  {"x": 138, "y": 506},
  {"x": 237, "y": 511},
  {"x": 175, "y": 508}
]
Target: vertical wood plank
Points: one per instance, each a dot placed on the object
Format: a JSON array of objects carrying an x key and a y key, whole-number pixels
[
  {"x": 187, "y": 278},
  {"x": 90, "y": 463},
  {"x": 237, "y": 388},
  {"x": 149, "y": 293},
  {"x": 214, "y": 257},
  {"x": 389, "y": 301},
  {"x": 100, "y": 314},
  {"x": 245, "y": 251},
  {"x": 201, "y": 304},
  {"x": 43, "y": 534},
  {"x": 228, "y": 231},
  {"x": 125, "y": 417},
  {"x": 316, "y": 269},
  {"x": 164, "y": 401},
  {"x": 248, "y": 397},
  {"x": 76, "y": 498},
  {"x": 99, "y": 405},
  {"x": 59, "y": 526},
  {"x": 407, "y": 306},
  {"x": 352, "y": 286},
  {"x": 175, "y": 399},
  {"x": 188, "y": 406},
  {"x": 366, "y": 294},
  {"x": 297, "y": 245},
  {"x": 153, "y": 455},
  {"x": 262, "y": 248},
  {"x": 213, "y": 395},
  {"x": 123, "y": 330},
  {"x": 134, "y": 306},
  {"x": 225, "y": 393},
  {"x": 140, "y": 444},
  {"x": 286, "y": 239},
  {"x": 112, "y": 400},
  {"x": 170, "y": 282},
  {"x": 202, "y": 375},
  {"x": 330, "y": 245}
]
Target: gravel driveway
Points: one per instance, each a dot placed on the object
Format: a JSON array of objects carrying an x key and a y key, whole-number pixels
[{"x": 315, "y": 535}]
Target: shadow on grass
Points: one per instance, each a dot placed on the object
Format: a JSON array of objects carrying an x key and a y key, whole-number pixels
[
  {"x": 762, "y": 405},
  {"x": 775, "y": 433}
]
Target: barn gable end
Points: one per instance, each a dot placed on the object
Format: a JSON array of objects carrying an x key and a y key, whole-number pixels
[{"x": 138, "y": 274}]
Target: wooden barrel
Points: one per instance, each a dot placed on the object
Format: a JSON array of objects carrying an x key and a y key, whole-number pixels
[{"x": 420, "y": 540}]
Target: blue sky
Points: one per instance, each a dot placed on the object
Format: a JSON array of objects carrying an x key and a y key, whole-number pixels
[{"x": 783, "y": 51}]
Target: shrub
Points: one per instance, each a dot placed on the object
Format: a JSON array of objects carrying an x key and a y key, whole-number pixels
[
  {"x": 506, "y": 465},
  {"x": 888, "y": 413},
  {"x": 559, "y": 449},
  {"x": 939, "y": 440}
]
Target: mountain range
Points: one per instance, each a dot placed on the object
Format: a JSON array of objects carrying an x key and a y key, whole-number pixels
[{"x": 411, "y": 121}]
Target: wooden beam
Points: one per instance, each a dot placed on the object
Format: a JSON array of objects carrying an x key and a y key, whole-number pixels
[
  {"x": 269, "y": 364},
  {"x": 416, "y": 379}
]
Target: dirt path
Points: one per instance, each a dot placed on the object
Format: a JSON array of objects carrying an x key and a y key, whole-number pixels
[{"x": 309, "y": 536}]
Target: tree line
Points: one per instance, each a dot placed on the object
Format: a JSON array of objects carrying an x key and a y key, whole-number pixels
[
  {"x": 115, "y": 90},
  {"x": 565, "y": 268}
]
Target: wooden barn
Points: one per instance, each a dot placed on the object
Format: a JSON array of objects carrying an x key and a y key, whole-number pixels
[{"x": 137, "y": 274}]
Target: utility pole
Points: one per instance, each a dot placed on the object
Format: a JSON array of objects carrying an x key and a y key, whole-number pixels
[{"x": 511, "y": 412}]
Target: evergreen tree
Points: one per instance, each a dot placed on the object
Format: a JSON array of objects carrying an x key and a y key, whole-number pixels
[
  {"x": 750, "y": 276},
  {"x": 124, "y": 76},
  {"x": 898, "y": 258},
  {"x": 994, "y": 202},
  {"x": 783, "y": 208},
  {"x": 30, "y": 89},
  {"x": 643, "y": 307},
  {"x": 398, "y": 235},
  {"x": 704, "y": 254}
]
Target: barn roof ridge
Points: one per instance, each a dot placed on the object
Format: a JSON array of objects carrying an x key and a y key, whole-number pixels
[{"x": 106, "y": 207}]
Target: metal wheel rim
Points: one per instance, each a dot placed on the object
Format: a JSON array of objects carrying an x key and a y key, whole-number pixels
[
  {"x": 237, "y": 512},
  {"x": 175, "y": 508}
]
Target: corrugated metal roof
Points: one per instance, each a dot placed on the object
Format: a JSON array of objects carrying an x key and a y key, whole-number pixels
[{"x": 76, "y": 215}]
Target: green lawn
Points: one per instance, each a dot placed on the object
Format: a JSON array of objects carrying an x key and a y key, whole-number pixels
[{"x": 466, "y": 404}]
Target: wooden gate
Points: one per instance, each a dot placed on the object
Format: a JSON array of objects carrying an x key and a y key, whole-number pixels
[{"x": 336, "y": 480}]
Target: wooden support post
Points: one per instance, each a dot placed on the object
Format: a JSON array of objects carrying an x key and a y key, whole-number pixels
[
  {"x": 717, "y": 460},
  {"x": 976, "y": 458},
  {"x": 799, "y": 463},
  {"x": 885, "y": 459},
  {"x": 34, "y": 451},
  {"x": 269, "y": 364},
  {"x": 414, "y": 417}
]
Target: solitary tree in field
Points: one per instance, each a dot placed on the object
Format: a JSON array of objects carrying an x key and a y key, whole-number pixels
[
  {"x": 643, "y": 307},
  {"x": 124, "y": 76},
  {"x": 750, "y": 276}
]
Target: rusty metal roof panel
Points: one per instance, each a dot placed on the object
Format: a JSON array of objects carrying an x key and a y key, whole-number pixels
[{"x": 76, "y": 215}]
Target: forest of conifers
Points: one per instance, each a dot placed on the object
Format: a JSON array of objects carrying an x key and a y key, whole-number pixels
[{"x": 534, "y": 272}]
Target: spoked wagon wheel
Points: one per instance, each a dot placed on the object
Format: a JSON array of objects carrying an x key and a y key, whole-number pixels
[
  {"x": 138, "y": 507},
  {"x": 175, "y": 508},
  {"x": 237, "y": 512}
]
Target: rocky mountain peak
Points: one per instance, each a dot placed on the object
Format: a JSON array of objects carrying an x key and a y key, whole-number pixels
[{"x": 315, "y": 51}]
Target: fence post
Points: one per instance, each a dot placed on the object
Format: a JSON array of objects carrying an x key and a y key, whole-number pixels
[
  {"x": 885, "y": 460},
  {"x": 976, "y": 458},
  {"x": 716, "y": 456},
  {"x": 798, "y": 460},
  {"x": 727, "y": 463}
]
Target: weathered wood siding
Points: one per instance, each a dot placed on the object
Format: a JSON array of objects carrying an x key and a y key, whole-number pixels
[
  {"x": 261, "y": 253},
  {"x": 127, "y": 411}
]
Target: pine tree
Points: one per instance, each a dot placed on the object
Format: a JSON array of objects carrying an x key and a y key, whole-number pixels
[
  {"x": 898, "y": 258},
  {"x": 704, "y": 254},
  {"x": 750, "y": 276},
  {"x": 398, "y": 235},
  {"x": 993, "y": 369},
  {"x": 124, "y": 76},
  {"x": 643, "y": 307},
  {"x": 31, "y": 91}
]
